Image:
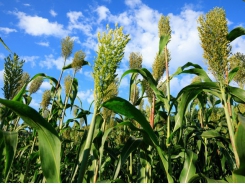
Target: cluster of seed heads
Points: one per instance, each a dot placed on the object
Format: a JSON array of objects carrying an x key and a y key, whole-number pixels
[
  {"x": 46, "y": 99},
  {"x": 67, "y": 47},
  {"x": 78, "y": 60}
]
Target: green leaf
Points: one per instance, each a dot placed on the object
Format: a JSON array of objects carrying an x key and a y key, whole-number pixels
[
  {"x": 163, "y": 42},
  {"x": 122, "y": 106},
  {"x": 70, "y": 65},
  {"x": 235, "y": 33},
  {"x": 10, "y": 142},
  {"x": 212, "y": 180},
  {"x": 131, "y": 145},
  {"x": 232, "y": 74},
  {"x": 73, "y": 95},
  {"x": 210, "y": 134},
  {"x": 49, "y": 142},
  {"x": 189, "y": 169},
  {"x": 237, "y": 94},
  {"x": 6, "y": 47},
  {"x": 187, "y": 94},
  {"x": 239, "y": 174}
]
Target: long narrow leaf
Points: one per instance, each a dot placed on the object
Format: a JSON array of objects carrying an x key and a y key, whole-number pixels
[
  {"x": 235, "y": 33},
  {"x": 189, "y": 169},
  {"x": 131, "y": 145},
  {"x": 49, "y": 142},
  {"x": 10, "y": 141}
]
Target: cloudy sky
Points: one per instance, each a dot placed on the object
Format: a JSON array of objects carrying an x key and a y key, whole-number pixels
[{"x": 34, "y": 29}]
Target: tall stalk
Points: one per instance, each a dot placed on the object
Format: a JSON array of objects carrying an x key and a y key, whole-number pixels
[{"x": 229, "y": 124}]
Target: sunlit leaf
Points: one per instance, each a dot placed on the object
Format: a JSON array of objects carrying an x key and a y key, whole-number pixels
[
  {"x": 189, "y": 169},
  {"x": 235, "y": 33},
  {"x": 49, "y": 142}
]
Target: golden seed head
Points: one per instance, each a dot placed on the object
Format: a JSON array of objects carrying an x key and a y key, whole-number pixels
[
  {"x": 213, "y": 30},
  {"x": 135, "y": 60},
  {"x": 67, "y": 46},
  {"x": 78, "y": 60},
  {"x": 35, "y": 84},
  {"x": 46, "y": 99},
  {"x": 68, "y": 83},
  {"x": 164, "y": 26},
  {"x": 196, "y": 79}
]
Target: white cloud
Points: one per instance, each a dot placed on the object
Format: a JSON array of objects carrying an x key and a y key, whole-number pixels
[
  {"x": 86, "y": 95},
  {"x": 46, "y": 85},
  {"x": 26, "y": 4},
  {"x": 30, "y": 59},
  {"x": 2, "y": 56},
  {"x": 7, "y": 30},
  {"x": 53, "y": 13},
  {"x": 50, "y": 62},
  {"x": 34, "y": 104},
  {"x": 177, "y": 83},
  {"x": 1, "y": 75},
  {"x": 76, "y": 23},
  {"x": 132, "y": 3},
  {"x": 38, "y": 26},
  {"x": 238, "y": 45},
  {"x": 45, "y": 44},
  {"x": 102, "y": 12}
]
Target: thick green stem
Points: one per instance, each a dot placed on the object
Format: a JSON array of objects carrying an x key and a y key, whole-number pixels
[
  {"x": 87, "y": 147},
  {"x": 230, "y": 128}
]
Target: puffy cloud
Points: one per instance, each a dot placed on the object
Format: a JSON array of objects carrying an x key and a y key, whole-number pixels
[
  {"x": 7, "y": 30},
  {"x": 30, "y": 59},
  {"x": 86, "y": 95},
  {"x": 132, "y": 3},
  {"x": 1, "y": 75},
  {"x": 76, "y": 23},
  {"x": 45, "y": 44},
  {"x": 102, "y": 12},
  {"x": 50, "y": 62},
  {"x": 46, "y": 85},
  {"x": 38, "y": 26},
  {"x": 53, "y": 13},
  {"x": 238, "y": 45}
]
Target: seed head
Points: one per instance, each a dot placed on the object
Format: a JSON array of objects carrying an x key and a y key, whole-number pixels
[
  {"x": 46, "y": 99},
  {"x": 213, "y": 30},
  {"x": 67, "y": 46},
  {"x": 135, "y": 60},
  {"x": 68, "y": 83},
  {"x": 78, "y": 60},
  {"x": 35, "y": 84}
]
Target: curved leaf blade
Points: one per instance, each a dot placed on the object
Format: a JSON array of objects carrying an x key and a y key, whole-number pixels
[
  {"x": 235, "y": 33},
  {"x": 189, "y": 169},
  {"x": 131, "y": 145},
  {"x": 49, "y": 142}
]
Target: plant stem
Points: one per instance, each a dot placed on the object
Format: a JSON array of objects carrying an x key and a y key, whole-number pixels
[
  {"x": 168, "y": 94},
  {"x": 87, "y": 147},
  {"x": 230, "y": 128}
]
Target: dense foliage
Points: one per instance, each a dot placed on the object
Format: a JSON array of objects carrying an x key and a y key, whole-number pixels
[{"x": 152, "y": 136}]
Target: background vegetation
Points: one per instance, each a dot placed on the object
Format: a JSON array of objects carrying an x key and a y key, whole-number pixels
[{"x": 152, "y": 136}]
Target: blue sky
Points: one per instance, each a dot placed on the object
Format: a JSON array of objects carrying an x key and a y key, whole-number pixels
[{"x": 34, "y": 29}]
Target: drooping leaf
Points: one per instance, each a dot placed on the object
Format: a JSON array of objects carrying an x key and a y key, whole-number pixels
[
  {"x": 232, "y": 74},
  {"x": 70, "y": 65},
  {"x": 10, "y": 141},
  {"x": 235, "y": 33},
  {"x": 189, "y": 169},
  {"x": 237, "y": 94},
  {"x": 123, "y": 107},
  {"x": 210, "y": 134},
  {"x": 238, "y": 175},
  {"x": 49, "y": 142},
  {"x": 209, "y": 180},
  {"x": 131, "y": 145}
]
